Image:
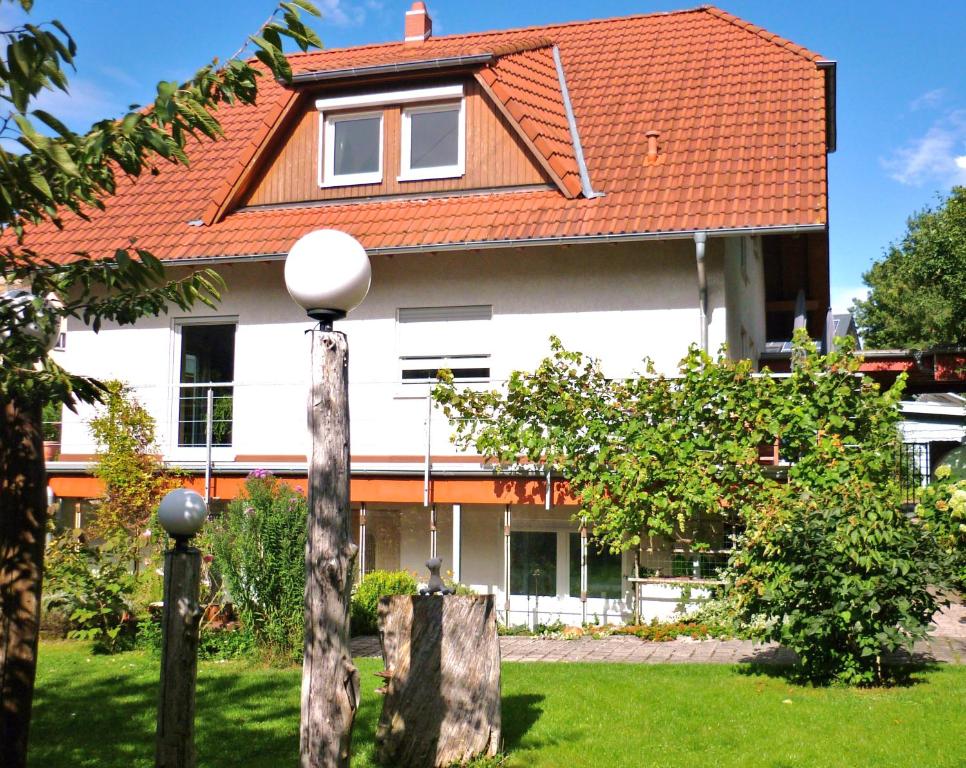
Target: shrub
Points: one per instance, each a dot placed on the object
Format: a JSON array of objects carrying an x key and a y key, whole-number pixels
[
  {"x": 374, "y": 585},
  {"x": 52, "y": 415},
  {"x": 92, "y": 585},
  {"x": 134, "y": 478},
  {"x": 942, "y": 510},
  {"x": 214, "y": 644},
  {"x": 664, "y": 631},
  {"x": 844, "y": 573},
  {"x": 259, "y": 549}
]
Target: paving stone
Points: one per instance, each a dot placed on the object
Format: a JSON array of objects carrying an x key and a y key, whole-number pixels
[{"x": 946, "y": 645}]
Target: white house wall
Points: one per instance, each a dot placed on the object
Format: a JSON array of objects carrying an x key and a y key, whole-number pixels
[
  {"x": 744, "y": 278},
  {"x": 619, "y": 303}
]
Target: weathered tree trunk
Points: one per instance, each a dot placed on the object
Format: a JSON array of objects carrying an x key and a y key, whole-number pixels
[
  {"x": 330, "y": 682},
  {"x": 442, "y": 689},
  {"x": 23, "y": 517},
  {"x": 175, "y": 739}
]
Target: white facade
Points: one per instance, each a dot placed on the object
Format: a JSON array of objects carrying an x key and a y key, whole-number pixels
[{"x": 616, "y": 302}]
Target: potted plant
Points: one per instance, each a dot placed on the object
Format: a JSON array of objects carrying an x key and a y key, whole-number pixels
[{"x": 51, "y": 429}]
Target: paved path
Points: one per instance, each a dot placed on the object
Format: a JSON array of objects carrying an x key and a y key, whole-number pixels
[{"x": 947, "y": 644}]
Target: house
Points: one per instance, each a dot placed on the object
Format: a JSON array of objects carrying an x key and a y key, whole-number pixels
[{"x": 633, "y": 185}]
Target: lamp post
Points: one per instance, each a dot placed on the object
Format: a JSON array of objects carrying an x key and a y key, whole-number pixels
[
  {"x": 327, "y": 273},
  {"x": 181, "y": 513}
]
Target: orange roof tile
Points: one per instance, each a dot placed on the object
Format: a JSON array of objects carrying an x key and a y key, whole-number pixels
[
  {"x": 528, "y": 90},
  {"x": 740, "y": 116}
]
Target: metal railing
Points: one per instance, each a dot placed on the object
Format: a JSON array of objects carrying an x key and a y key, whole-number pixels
[{"x": 913, "y": 465}]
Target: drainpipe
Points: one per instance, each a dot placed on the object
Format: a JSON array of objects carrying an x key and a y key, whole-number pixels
[{"x": 700, "y": 238}]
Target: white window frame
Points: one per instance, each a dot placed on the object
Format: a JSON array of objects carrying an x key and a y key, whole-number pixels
[
  {"x": 195, "y": 452},
  {"x": 440, "y": 171},
  {"x": 327, "y": 175},
  {"x": 333, "y": 109}
]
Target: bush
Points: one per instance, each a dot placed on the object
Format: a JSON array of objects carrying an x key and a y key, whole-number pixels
[
  {"x": 92, "y": 586},
  {"x": 259, "y": 549},
  {"x": 942, "y": 510},
  {"x": 214, "y": 644},
  {"x": 374, "y": 585},
  {"x": 844, "y": 573}
]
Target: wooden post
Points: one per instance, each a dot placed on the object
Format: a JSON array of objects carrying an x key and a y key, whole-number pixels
[
  {"x": 442, "y": 704},
  {"x": 330, "y": 682},
  {"x": 23, "y": 520},
  {"x": 175, "y": 740}
]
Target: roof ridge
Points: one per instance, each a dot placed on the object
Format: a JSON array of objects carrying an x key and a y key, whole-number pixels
[
  {"x": 500, "y": 32},
  {"x": 771, "y": 37}
]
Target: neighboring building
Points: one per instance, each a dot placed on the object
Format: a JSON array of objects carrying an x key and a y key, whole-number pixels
[{"x": 632, "y": 185}]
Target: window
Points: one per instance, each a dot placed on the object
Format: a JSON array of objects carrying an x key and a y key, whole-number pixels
[
  {"x": 352, "y": 149},
  {"x": 433, "y": 139},
  {"x": 604, "y": 570},
  {"x": 533, "y": 563},
  {"x": 431, "y": 338},
  {"x": 432, "y": 135},
  {"x": 207, "y": 359}
]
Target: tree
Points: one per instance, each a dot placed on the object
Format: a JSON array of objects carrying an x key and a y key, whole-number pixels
[
  {"x": 651, "y": 455},
  {"x": 56, "y": 169},
  {"x": 917, "y": 293},
  {"x": 135, "y": 479},
  {"x": 828, "y": 554}
]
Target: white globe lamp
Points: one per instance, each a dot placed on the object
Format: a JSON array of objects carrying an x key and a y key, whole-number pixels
[
  {"x": 20, "y": 303},
  {"x": 182, "y": 513},
  {"x": 327, "y": 273}
]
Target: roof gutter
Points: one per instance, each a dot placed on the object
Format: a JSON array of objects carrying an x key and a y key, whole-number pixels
[
  {"x": 585, "y": 186},
  {"x": 424, "y": 65},
  {"x": 828, "y": 68},
  {"x": 475, "y": 245}
]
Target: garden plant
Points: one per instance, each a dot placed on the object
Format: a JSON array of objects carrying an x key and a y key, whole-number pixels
[
  {"x": 259, "y": 550},
  {"x": 828, "y": 564}
]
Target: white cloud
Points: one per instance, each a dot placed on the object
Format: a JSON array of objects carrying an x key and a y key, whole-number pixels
[
  {"x": 844, "y": 296},
  {"x": 961, "y": 162},
  {"x": 928, "y": 99},
  {"x": 342, "y": 13},
  {"x": 120, "y": 76},
  {"x": 934, "y": 156},
  {"x": 85, "y": 103}
]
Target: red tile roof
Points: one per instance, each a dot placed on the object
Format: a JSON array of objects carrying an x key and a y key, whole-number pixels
[
  {"x": 740, "y": 115},
  {"x": 528, "y": 89}
]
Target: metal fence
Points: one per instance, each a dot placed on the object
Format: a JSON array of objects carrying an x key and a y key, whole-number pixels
[{"x": 913, "y": 466}]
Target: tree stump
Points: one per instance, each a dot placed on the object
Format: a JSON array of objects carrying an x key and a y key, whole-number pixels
[{"x": 442, "y": 657}]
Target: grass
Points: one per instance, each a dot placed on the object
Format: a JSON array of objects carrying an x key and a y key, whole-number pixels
[{"x": 100, "y": 711}]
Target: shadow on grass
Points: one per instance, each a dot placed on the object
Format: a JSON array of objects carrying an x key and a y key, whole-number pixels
[
  {"x": 520, "y": 713},
  {"x": 111, "y": 721},
  {"x": 903, "y": 672},
  {"x": 251, "y": 718}
]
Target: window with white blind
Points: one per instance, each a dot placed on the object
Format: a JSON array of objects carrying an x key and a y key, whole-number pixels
[{"x": 433, "y": 338}]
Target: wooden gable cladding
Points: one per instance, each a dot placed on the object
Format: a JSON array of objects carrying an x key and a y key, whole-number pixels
[{"x": 495, "y": 157}]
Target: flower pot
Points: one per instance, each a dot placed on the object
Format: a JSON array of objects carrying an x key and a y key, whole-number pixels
[{"x": 51, "y": 449}]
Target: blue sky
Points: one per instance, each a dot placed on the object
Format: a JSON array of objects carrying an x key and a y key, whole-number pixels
[{"x": 901, "y": 79}]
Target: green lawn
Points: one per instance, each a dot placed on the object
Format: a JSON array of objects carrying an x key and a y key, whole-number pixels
[{"x": 100, "y": 711}]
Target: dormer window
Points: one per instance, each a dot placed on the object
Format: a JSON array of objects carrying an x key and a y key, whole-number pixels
[
  {"x": 353, "y": 149},
  {"x": 433, "y": 141},
  {"x": 429, "y": 130}
]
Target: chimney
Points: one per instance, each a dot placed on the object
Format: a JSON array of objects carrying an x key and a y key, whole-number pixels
[
  {"x": 652, "y": 145},
  {"x": 418, "y": 24}
]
